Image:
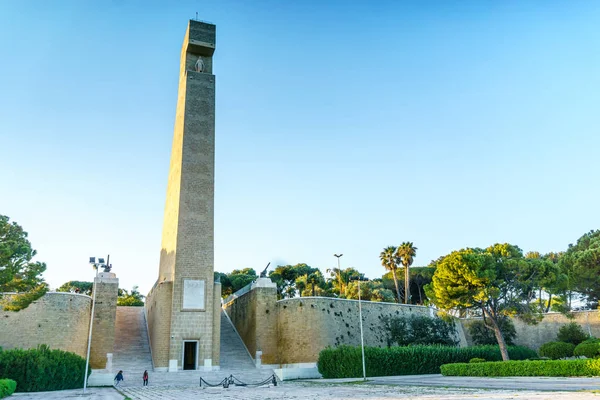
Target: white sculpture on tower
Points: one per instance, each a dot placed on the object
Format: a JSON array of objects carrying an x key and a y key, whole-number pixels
[{"x": 199, "y": 65}]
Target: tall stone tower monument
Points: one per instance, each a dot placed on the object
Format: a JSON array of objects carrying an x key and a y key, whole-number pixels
[{"x": 183, "y": 307}]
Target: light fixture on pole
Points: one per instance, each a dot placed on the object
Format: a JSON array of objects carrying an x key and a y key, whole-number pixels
[
  {"x": 95, "y": 265},
  {"x": 339, "y": 272},
  {"x": 362, "y": 340}
]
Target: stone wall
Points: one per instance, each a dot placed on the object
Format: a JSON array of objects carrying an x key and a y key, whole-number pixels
[
  {"x": 158, "y": 315},
  {"x": 307, "y": 325},
  {"x": 254, "y": 316},
  {"x": 105, "y": 316},
  {"x": 59, "y": 320},
  {"x": 533, "y": 336},
  {"x": 294, "y": 331}
]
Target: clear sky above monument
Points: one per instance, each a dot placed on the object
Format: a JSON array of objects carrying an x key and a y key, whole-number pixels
[{"x": 340, "y": 127}]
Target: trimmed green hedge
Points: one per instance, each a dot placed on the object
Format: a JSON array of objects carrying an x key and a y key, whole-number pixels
[
  {"x": 346, "y": 361},
  {"x": 42, "y": 369},
  {"x": 525, "y": 368},
  {"x": 7, "y": 387},
  {"x": 477, "y": 360},
  {"x": 557, "y": 350}
]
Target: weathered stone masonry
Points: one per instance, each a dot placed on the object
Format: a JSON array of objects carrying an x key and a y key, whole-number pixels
[
  {"x": 59, "y": 320},
  {"x": 186, "y": 272},
  {"x": 62, "y": 321},
  {"x": 294, "y": 331}
]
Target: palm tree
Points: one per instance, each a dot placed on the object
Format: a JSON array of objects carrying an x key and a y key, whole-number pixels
[
  {"x": 390, "y": 260},
  {"x": 336, "y": 280},
  {"x": 313, "y": 280},
  {"x": 406, "y": 253}
]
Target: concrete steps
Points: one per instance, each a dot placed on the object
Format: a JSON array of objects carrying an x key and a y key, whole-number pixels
[
  {"x": 234, "y": 354},
  {"x": 234, "y": 360},
  {"x": 132, "y": 349}
]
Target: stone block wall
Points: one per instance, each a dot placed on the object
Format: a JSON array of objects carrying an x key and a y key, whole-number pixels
[
  {"x": 307, "y": 325},
  {"x": 158, "y": 315},
  {"x": 294, "y": 331},
  {"x": 533, "y": 336},
  {"x": 254, "y": 316},
  {"x": 59, "y": 320},
  {"x": 105, "y": 316}
]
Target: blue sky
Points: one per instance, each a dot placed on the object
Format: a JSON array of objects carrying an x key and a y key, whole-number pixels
[{"x": 342, "y": 127}]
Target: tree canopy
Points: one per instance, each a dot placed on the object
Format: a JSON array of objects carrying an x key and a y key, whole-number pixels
[
  {"x": 133, "y": 298},
  {"x": 496, "y": 281},
  {"x": 81, "y": 287},
  {"x": 18, "y": 273},
  {"x": 581, "y": 264},
  {"x": 235, "y": 280}
]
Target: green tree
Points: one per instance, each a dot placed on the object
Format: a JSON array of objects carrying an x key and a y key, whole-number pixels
[
  {"x": 581, "y": 263},
  {"x": 406, "y": 253},
  {"x": 286, "y": 279},
  {"x": 492, "y": 281},
  {"x": 482, "y": 335},
  {"x": 133, "y": 298},
  {"x": 17, "y": 272},
  {"x": 335, "y": 280},
  {"x": 81, "y": 287},
  {"x": 549, "y": 279},
  {"x": 370, "y": 291},
  {"x": 390, "y": 261},
  {"x": 235, "y": 280},
  {"x": 419, "y": 278}
]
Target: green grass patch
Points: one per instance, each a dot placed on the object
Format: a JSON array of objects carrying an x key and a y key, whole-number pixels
[{"x": 525, "y": 368}]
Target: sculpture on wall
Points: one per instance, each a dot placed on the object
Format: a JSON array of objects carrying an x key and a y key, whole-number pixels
[
  {"x": 199, "y": 67},
  {"x": 263, "y": 274}
]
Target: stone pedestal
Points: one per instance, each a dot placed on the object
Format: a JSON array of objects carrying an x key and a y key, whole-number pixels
[{"x": 105, "y": 315}]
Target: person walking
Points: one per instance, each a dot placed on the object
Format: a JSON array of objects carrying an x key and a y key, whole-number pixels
[
  {"x": 119, "y": 378},
  {"x": 145, "y": 378}
]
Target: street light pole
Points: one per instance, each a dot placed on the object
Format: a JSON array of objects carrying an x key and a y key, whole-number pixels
[
  {"x": 362, "y": 337},
  {"x": 339, "y": 272},
  {"x": 87, "y": 358}
]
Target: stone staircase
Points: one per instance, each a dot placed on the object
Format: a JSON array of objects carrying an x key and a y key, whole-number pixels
[
  {"x": 234, "y": 354},
  {"x": 132, "y": 349},
  {"x": 234, "y": 358}
]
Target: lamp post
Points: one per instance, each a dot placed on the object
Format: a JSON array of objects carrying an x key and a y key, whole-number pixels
[
  {"x": 339, "y": 272},
  {"x": 362, "y": 340},
  {"x": 95, "y": 265}
]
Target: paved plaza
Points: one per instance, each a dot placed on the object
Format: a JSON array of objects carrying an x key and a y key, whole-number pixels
[{"x": 329, "y": 391}]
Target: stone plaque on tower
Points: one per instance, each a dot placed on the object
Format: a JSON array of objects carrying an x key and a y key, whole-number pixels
[{"x": 183, "y": 302}]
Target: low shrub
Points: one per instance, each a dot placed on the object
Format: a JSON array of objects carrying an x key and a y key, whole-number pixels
[
  {"x": 589, "y": 348},
  {"x": 419, "y": 329},
  {"x": 525, "y": 368},
  {"x": 571, "y": 333},
  {"x": 557, "y": 350},
  {"x": 482, "y": 335},
  {"x": 476, "y": 360},
  {"x": 7, "y": 387},
  {"x": 345, "y": 361},
  {"x": 42, "y": 369}
]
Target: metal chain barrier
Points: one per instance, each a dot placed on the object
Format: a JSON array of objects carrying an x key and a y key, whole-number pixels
[{"x": 232, "y": 380}]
